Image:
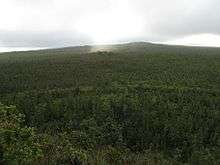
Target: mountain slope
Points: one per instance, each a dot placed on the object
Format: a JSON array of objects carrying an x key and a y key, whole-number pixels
[
  {"x": 136, "y": 103},
  {"x": 132, "y": 63}
]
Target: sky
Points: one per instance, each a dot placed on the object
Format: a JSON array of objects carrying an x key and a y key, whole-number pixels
[{"x": 36, "y": 24}]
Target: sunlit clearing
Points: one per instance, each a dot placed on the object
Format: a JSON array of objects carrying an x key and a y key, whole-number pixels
[
  {"x": 115, "y": 24},
  {"x": 198, "y": 40}
]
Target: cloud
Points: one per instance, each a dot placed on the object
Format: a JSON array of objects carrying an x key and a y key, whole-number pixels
[
  {"x": 42, "y": 38},
  {"x": 197, "y": 40},
  {"x": 55, "y": 23},
  {"x": 176, "y": 18}
]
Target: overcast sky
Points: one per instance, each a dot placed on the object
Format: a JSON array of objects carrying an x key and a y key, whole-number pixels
[{"x": 57, "y": 23}]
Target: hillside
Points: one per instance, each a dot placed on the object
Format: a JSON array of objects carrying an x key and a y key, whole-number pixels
[
  {"x": 117, "y": 104},
  {"x": 156, "y": 65}
]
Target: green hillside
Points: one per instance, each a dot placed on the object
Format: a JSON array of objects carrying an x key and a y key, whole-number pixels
[{"x": 136, "y": 103}]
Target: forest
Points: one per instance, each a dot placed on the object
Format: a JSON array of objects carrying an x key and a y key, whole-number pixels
[{"x": 136, "y": 103}]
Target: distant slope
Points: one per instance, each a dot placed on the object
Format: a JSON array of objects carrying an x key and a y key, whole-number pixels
[
  {"x": 132, "y": 63},
  {"x": 133, "y": 47},
  {"x": 127, "y": 47}
]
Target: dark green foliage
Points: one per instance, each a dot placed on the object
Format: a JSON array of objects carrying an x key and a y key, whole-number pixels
[{"x": 139, "y": 104}]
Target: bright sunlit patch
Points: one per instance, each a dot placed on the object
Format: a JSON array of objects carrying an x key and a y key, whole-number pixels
[
  {"x": 198, "y": 40},
  {"x": 12, "y": 49},
  {"x": 119, "y": 22}
]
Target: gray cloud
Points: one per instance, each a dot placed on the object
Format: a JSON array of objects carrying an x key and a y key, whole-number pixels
[
  {"x": 174, "y": 18},
  {"x": 42, "y": 39},
  {"x": 53, "y": 23}
]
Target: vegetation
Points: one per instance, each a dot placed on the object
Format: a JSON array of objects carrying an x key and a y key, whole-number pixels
[{"x": 136, "y": 103}]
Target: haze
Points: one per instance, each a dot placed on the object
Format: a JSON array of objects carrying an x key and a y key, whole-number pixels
[{"x": 36, "y": 24}]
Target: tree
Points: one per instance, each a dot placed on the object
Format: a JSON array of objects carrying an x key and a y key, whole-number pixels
[{"x": 17, "y": 143}]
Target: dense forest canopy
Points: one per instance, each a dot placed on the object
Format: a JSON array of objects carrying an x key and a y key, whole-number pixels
[{"x": 136, "y": 103}]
